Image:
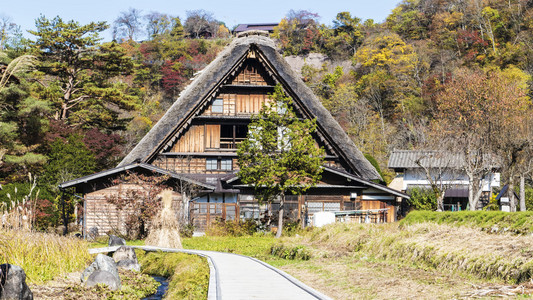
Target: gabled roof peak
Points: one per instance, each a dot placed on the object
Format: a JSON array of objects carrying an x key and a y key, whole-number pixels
[{"x": 208, "y": 82}]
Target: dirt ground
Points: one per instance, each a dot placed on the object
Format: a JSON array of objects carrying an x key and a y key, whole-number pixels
[{"x": 360, "y": 278}]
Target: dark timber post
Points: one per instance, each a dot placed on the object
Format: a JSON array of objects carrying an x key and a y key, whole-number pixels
[{"x": 64, "y": 212}]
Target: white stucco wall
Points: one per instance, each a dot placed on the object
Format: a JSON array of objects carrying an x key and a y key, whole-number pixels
[{"x": 413, "y": 177}]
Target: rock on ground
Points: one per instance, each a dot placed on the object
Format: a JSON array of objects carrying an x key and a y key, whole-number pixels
[
  {"x": 129, "y": 264},
  {"x": 126, "y": 258},
  {"x": 103, "y": 277},
  {"x": 101, "y": 263},
  {"x": 116, "y": 241},
  {"x": 124, "y": 252},
  {"x": 13, "y": 283}
]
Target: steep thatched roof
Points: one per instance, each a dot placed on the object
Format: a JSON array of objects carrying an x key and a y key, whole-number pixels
[
  {"x": 79, "y": 182},
  {"x": 208, "y": 82}
]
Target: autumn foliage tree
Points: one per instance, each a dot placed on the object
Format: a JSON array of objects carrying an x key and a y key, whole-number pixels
[
  {"x": 482, "y": 116},
  {"x": 139, "y": 201}
]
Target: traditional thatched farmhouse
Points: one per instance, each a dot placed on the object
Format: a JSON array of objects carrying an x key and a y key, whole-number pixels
[{"x": 195, "y": 144}]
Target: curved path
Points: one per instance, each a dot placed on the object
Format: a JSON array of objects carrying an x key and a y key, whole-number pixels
[{"x": 234, "y": 277}]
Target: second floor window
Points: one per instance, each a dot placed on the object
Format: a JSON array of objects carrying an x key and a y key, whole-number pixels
[
  {"x": 215, "y": 164},
  {"x": 217, "y": 106},
  {"x": 232, "y": 135}
]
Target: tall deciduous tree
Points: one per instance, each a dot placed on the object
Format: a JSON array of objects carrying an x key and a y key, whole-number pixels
[
  {"x": 201, "y": 23},
  {"x": 298, "y": 32},
  {"x": 80, "y": 69},
  {"x": 483, "y": 116},
  {"x": 349, "y": 30},
  {"x": 512, "y": 132},
  {"x": 280, "y": 155},
  {"x": 128, "y": 25},
  {"x": 9, "y": 32},
  {"x": 386, "y": 75}
]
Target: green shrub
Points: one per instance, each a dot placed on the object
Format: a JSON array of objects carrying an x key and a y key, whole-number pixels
[
  {"x": 257, "y": 245},
  {"x": 422, "y": 199},
  {"x": 291, "y": 228},
  {"x": 290, "y": 252},
  {"x": 186, "y": 231},
  {"x": 232, "y": 228}
]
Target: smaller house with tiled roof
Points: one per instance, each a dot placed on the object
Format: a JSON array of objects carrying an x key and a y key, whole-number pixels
[
  {"x": 269, "y": 27},
  {"x": 414, "y": 167}
]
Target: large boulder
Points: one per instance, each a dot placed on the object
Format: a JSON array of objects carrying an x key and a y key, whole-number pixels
[
  {"x": 103, "y": 277},
  {"x": 116, "y": 241},
  {"x": 101, "y": 263},
  {"x": 13, "y": 283},
  {"x": 126, "y": 258}
]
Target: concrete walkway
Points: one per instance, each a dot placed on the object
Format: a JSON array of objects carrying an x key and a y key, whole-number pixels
[{"x": 234, "y": 277}]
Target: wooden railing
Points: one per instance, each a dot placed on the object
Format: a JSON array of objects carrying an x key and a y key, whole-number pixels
[
  {"x": 362, "y": 216},
  {"x": 230, "y": 143}
]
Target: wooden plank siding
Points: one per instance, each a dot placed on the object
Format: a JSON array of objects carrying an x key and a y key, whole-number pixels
[
  {"x": 105, "y": 215},
  {"x": 194, "y": 140},
  {"x": 252, "y": 73},
  {"x": 239, "y": 104},
  {"x": 188, "y": 164}
]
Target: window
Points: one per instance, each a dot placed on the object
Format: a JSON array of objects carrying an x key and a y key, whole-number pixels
[
  {"x": 211, "y": 164},
  {"x": 217, "y": 106},
  {"x": 224, "y": 164},
  {"x": 232, "y": 135}
]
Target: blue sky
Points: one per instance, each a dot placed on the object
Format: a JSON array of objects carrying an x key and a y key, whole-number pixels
[{"x": 232, "y": 13}]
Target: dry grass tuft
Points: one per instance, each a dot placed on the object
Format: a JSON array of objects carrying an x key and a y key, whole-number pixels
[
  {"x": 42, "y": 256},
  {"x": 165, "y": 231}
]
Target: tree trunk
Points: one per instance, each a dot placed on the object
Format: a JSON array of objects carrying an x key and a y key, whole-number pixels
[
  {"x": 64, "y": 110},
  {"x": 471, "y": 192},
  {"x": 510, "y": 194},
  {"x": 522, "y": 193},
  {"x": 280, "y": 217},
  {"x": 440, "y": 201}
]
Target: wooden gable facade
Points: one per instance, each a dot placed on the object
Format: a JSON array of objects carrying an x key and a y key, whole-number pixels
[{"x": 197, "y": 140}]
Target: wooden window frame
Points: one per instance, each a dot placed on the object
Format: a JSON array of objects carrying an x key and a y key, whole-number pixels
[
  {"x": 217, "y": 106},
  {"x": 209, "y": 163}
]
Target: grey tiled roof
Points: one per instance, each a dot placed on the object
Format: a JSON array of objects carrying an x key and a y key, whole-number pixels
[
  {"x": 409, "y": 159},
  {"x": 258, "y": 26}
]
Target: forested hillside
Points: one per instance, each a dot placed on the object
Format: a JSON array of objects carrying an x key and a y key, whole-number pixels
[{"x": 436, "y": 74}]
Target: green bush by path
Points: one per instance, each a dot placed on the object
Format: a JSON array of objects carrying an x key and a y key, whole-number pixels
[
  {"x": 497, "y": 221},
  {"x": 188, "y": 274},
  {"x": 257, "y": 245}
]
